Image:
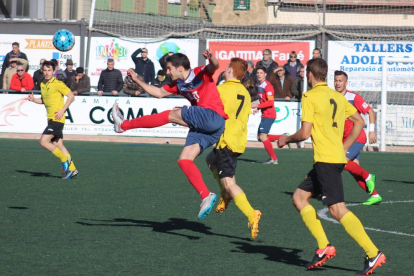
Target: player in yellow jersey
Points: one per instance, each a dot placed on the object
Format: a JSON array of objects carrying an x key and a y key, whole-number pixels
[
  {"x": 222, "y": 161},
  {"x": 53, "y": 91},
  {"x": 323, "y": 116}
]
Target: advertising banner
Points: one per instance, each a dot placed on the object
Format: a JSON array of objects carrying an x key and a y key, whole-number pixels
[
  {"x": 362, "y": 61},
  {"x": 92, "y": 116},
  {"x": 37, "y": 47},
  {"x": 103, "y": 48},
  {"x": 225, "y": 50}
]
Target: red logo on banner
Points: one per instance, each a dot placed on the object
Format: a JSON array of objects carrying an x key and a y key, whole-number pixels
[
  {"x": 224, "y": 51},
  {"x": 12, "y": 110}
]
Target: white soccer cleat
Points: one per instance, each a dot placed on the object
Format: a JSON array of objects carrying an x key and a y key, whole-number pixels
[
  {"x": 206, "y": 205},
  {"x": 118, "y": 118}
]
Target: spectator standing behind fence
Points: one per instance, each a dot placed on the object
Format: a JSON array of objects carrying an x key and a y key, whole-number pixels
[
  {"x": 143, "y": 65},
  {"x": 15, "y": 53},
  {"x": 38, "y": 76},
  {"x": 281, "y": 84},
  {"x": 297, "y": 85},
  {"x": 80, "y": 83},
  {"x": 110, "y": 80},
  {"x": 293, "y": 66},
  {"x": 251, "y": 72},
  {"x": 132, "y": 88},
  {"x": 161, "y": 79},
  {"x": 317, "y": 53},
  {"x": 8, "y": 74},
  {"x": 268, "y": 63},
  {"x": 21, "y": 81},
  {"x": 69, "y": 71},
  {"x": 59, "y": 74}
]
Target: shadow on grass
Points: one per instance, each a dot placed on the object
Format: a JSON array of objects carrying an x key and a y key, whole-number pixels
[
  {"x": 248, "y": 160},
  {"x": 38, "y": 174},
  {"x": 289, "y": 256},
  {"x": 398, "y": 181},
  {"x": 18, "y": 207},
  {"x": 167, "y": 227}
]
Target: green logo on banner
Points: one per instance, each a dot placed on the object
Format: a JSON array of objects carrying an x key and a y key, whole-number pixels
[{"x": 277, "y": 112}]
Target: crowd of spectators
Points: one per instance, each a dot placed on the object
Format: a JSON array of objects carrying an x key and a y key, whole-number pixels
[{"x": 287, "y": 80}]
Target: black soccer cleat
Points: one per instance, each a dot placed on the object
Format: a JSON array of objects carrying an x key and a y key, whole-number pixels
[
  {"x": 373, "y": 263},
  {"x": 321, "y": 256}
]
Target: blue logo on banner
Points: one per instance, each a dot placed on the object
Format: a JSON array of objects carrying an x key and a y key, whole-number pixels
[
  {"x": 56, "y": 55},
  {"x": 2, "y": 58}
]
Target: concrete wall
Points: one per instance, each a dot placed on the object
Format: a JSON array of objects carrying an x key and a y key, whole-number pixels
[{"x": 223, "y": 13}]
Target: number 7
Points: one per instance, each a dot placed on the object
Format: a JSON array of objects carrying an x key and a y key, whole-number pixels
[
  {"x": 334, "y": 124},
  {"x": 240, "y": 97}
]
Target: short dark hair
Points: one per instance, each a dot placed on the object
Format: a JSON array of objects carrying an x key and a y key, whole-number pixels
[
  {"x": 239, "y": 67},
  {"x": 179, "y": 59},
  {"x": 317, "y": 49},
  {"x": 260, "y": 67},
  {"x": 49, "y": 63},
  {"x": 318, "y": 67},
  {"x": 16, "y": 43},
  {"x": 160, "y": 73},
  {"x": 110, "y": 60},
  {"x": 54, "y": 61},
  {"x": 79, "y": 70},
  {"x": 267, "y": 51},
  {"x": 341, "y": 73}
]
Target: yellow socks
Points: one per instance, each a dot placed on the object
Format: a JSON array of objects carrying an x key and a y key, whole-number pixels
[
  {"x": 354, "y": 228},
  {"x": 314, "y": 225},
  {"x": 59, "y": 154},
  {"x": 72, "y": 164},
  {"x": 243, "y": 204}
]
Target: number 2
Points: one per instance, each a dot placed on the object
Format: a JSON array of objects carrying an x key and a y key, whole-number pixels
[
  {"x": 240, "y": 97},
  {"x": 334, "y": 124}
]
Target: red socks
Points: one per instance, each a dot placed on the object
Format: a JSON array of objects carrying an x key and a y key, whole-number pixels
[
  {"x": 362, "y": 184},
  {"x": 148, "y": 121},
  {"x": 269, "y": 148},
  {"x": 194, "y": 176},
  {"x": 356, "y": 169},
  {"x": 273, "y": 138}
]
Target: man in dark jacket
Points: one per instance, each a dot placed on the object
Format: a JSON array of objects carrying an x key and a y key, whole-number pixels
[
  {"x": 80, "y": 83},
  {"x": 38, "y": 76},
  {"x": 292, "y": 67},
  {"x": 268, "y": 63},
  {"x": 161, "y": 79},
  {"x": 15, "y": 53},
  {"x": 143, "y": 65},
  {"x": 297, "y": 85},
  {"x": 110, "y": 80},
  {"x": 69, "y": 71}
]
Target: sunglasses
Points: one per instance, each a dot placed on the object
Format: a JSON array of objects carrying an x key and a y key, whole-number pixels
[
  {"x": 20, "y": 70},
  {"x": 292, "y": 56},
  {"x": 144, "y": 52}
]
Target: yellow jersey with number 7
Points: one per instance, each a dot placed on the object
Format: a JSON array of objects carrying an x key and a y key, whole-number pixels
[{"x": 327, "y": 110}]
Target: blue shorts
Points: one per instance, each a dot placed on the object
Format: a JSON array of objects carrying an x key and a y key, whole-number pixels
[
  {"x": 206, "y": 126},
  {"x": 353, "y": 151},
  {"x": 265, "y": 125}
]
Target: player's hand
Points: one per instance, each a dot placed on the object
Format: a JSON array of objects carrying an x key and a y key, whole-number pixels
[
  {"x": 372, "y": 137},
  {"x": 282, "y": 141},
  {"x": 59, "y": 114},
  {"x": 114, "y": 92},
  {"x": 287, "y": 98},
  {"x": 207, "y": 54},
  {"x": 30, "y": 98},
  {"x": 100, "y": 93},
  {"x": 75, "y": 92},
  {"x": 137, "y": 93}
]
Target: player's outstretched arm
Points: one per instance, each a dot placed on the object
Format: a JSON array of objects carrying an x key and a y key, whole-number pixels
[
  {"x": 359, "y": 124},
  {"x": 213, "y": 62},
  {"x": 372, "y": 136},
  {"x": 150, "y": 89},
  {"x": 31, "y": 98}
]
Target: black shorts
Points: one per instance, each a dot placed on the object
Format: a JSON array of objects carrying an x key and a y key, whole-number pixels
[
  {"x": 55, "y": 129},
  {"x": 226, "y": 162},
  {"x": 325, "y": 179}
]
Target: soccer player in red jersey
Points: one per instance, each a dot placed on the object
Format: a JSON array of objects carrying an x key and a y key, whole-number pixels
[
  {"x": 267, "y": 106},
  {"x": 205, "y": 117},
  {"x": 364, "y": 179}
]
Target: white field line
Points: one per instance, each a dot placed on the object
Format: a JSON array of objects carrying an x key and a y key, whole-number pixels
[{"x": 323, "y": 214}]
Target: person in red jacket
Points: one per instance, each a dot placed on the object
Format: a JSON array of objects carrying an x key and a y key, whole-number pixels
[{"x": 21, "y": 81}]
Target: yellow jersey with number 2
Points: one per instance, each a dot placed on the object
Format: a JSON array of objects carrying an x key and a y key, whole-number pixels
[
  {"x": 237, "y": 105},
  {"x": 327, "y": 110}
]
